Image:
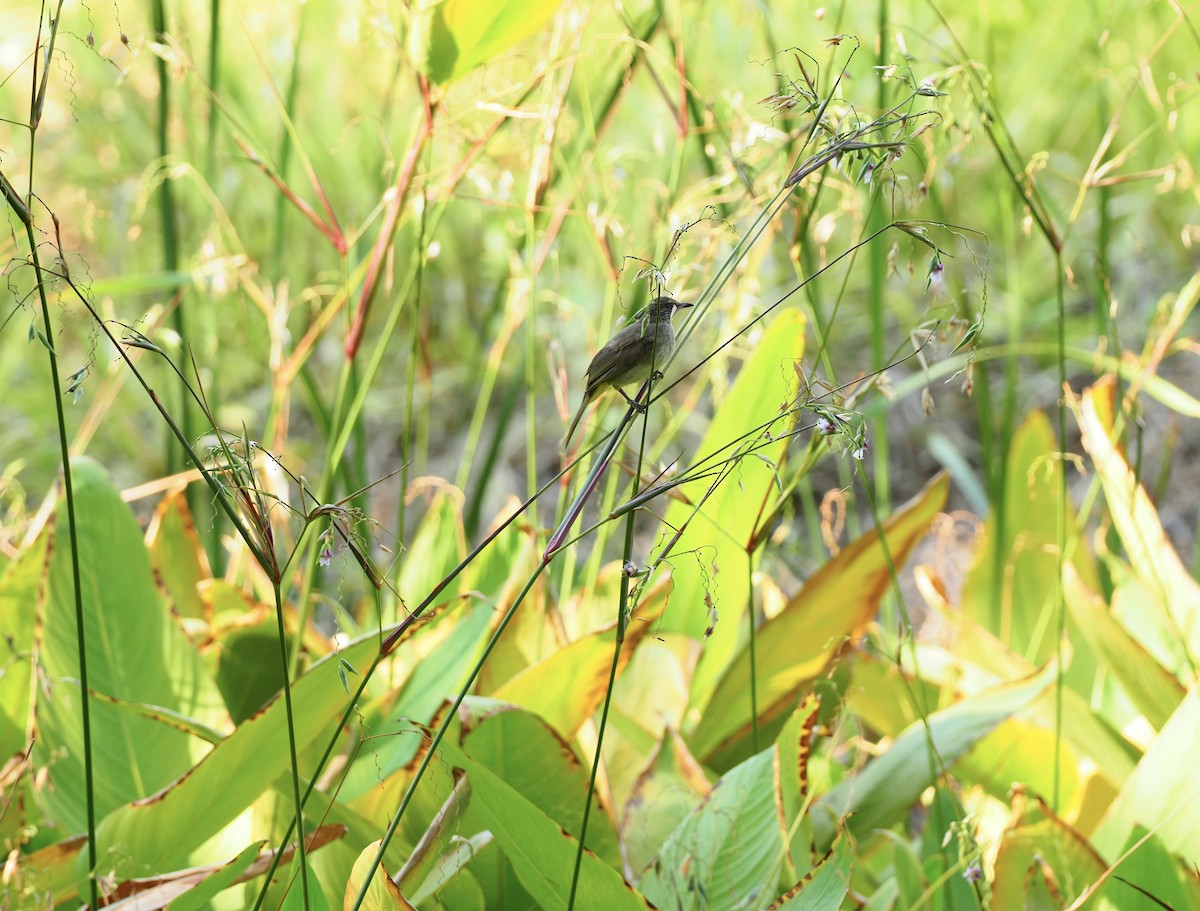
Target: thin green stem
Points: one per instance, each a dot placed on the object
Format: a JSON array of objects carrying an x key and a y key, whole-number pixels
[
  {"x": 24, "y": 211},
  {"x": 1061, "y": 527},
  {"x": 72, "y": 534},
  {"x": 286, "y": 141},
  {"x": 389, "y": 642},
  {"x": 623, "y": 610},
  {"x": 308, "y": 566},
  {"x": 752, "y": 633},
  {"x": 312, "y": 783},
  {"x": 408, "y": 431},
  {"x": 214, "y": 85},
  {"x": 937, "y": 765},
  {"x": 170, "y": 237},
  {"x": 594, "y": 128},
  {"x": 877, "y": 273},
  {"x": 439, "y": 734},
  {"x": 221, "y": 495},
  {"x": 291, "y": 724},
  {"x": 622, "y": 626},
  {"x": 527, "y": 289}
]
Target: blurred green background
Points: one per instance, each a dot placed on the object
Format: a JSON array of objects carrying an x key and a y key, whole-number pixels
[
  {"x": 550, "y": 163},
  {"x": 378, "y": 244}
]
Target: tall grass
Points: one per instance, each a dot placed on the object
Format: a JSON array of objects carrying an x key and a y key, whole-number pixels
[{"x": 496, "y": 224}]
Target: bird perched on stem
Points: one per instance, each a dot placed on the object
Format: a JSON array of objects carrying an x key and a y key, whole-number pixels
[{"x": 631, "y": 355}]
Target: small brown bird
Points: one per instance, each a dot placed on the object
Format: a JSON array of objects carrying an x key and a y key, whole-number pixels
[{"x": 630, "y": 355}]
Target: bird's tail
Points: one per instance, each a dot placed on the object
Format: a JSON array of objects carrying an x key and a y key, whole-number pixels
[{"x": 575, "y": 421}]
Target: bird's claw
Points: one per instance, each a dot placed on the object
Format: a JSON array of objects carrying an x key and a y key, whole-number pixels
[{"x": 635, "y": 405}]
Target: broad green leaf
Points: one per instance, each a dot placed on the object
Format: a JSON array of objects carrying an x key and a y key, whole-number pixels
[
  {"x": 247, "y": 677},
  {"x": 1140, "y": 613},
  {"x": 442, "y": 657},
  {"x": 382, "y": 894},
  {"x": 433, "y": 840},
  {"x": 1040, "y": 890},
  {"x": 157, "y": 713},
  {"x": 1010, "y": 589},
  {"x": 450, "y": 867},
  {"x": 1021, "y": 750},
  {"x": 242, "y": 632},
  {"x": 1016, "y": 750},
  {"x": 1151, "y": 555},
  {"x": 719, "y": 533},
  {"x": 884, "y": 696},
  {"x": 885, "y": 898},
  {"x": 982, "y": 661},
  {"x": 670, "y": 786},
  {"x": 379, "y": 802},
  {"x": 499, "y": 573},
  {"x": 944, "y": 857},
  {"x": 794, "y": 748},
  {"x": 541, "y": 852},
  {"x": 835, "y": 604},
  {"x": 317, "y": 898},
  {"x": 649, "y": 701},
  {"x": 1037, "y": 848},
  {"x": 653, "y": 689},
  {"x": 190, "y": 891},
  {"x": 728, "y": 853},
  {"x": 435, "y": 549},
  {"x": 48, "y": 871},
  {"x": 908, "y": 873},
  {"x": 177, "y": 555},
  {"x": 568, "y": 686},
  {"x": 593, "y": 604},
  {"x": 159, "y": 833},
  {"x": 51, "y": 871},
  {"x": 334, "y": 861},
  {"x": 429, "y": 668},
  {"x": 18, "y": 591},
  {"x": 538, "y": 763},
  {"x": 1147, "y": 864},
  {"x": 530, "y": 636},
  {"x": 449, "y": 38},
  {"x": 503, "y": 566},
  {"x": 461, "y": 893},
  {"x": 1153, "y": 689},
  {"x": 1163, "y": 793},
  {"x": 825, "y": 888},
  {"x": 885, "y": 789},
  {"x": 136, "y": 653}
]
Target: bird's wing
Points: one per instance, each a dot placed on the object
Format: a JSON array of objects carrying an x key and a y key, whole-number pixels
[{"x": 610, "y": 366}]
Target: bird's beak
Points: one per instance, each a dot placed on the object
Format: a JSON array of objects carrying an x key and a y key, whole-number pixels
[{"x": 682, "y": 305}]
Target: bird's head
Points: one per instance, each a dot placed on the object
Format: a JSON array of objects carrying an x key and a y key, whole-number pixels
[{"x": 664, "y": 307}]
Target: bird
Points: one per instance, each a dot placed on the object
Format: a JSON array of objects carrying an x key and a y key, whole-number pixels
[{"x": 630, "y": 355}]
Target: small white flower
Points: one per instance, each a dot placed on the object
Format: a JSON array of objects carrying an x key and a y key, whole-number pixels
[
  {"x": 326, "y": 556},
  {"x": 937, "y": 277}
]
